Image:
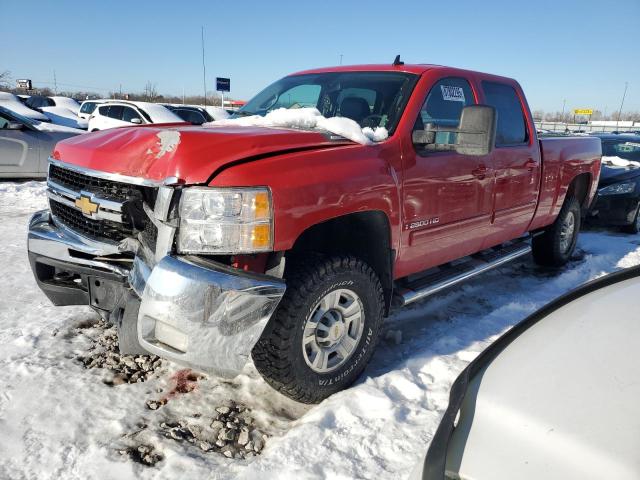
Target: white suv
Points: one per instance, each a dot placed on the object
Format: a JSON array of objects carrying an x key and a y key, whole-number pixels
[{"x": 121, "y": 114}]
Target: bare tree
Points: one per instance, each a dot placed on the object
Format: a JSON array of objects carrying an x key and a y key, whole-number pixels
[
  {"x": 5, "y": 79},
  {"x": 150, "y": 92}
]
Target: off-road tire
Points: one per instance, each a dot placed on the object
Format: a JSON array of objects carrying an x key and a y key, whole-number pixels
[
  {"x": 278, "y": 355},
  {"x": 546, "y": 247}
]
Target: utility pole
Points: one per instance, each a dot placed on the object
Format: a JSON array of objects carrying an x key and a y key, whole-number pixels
[
  {"x": 626, "y": 84},
  {"x": 120, "y": 91},
  {"x": 204, "y": 71},
  {"x": 55, "y": 83},
  {"x": 340, "y": 59},
  {"x": 183, "y": 94}
]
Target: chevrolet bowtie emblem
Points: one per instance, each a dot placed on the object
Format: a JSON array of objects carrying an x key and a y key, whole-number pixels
[{"x": 86, "y": 205}]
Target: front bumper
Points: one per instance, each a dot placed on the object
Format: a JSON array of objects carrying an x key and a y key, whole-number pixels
[
  {"x": 194, "y": 311},
  {"x": 614, "y": 210}
]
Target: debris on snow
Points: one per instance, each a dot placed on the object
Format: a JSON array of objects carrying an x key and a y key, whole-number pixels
[
  {"x": 144, "y": 454},
  {"x": 231, "y": 432},
  {"x": 105, "y": 354}
]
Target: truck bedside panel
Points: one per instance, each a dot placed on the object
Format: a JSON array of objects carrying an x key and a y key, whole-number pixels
[{"x": 564, "y": 158}]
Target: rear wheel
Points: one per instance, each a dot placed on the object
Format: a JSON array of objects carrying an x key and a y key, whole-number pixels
[
  {"x": 555, "y": 246},
  {"x": 324, "y": 331}
]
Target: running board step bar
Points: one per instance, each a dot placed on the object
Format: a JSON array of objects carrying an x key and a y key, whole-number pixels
[{"x": 449, "y": 275}]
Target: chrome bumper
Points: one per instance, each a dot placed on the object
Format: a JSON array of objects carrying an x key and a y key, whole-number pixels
[{"x": 196, "y": 312}]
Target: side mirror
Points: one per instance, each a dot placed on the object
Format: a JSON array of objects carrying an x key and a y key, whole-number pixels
[
  {"x": 137, "y": 121},
  {"x": 475, "y": 134},
  {"x": 477, "y": 130},
  {"x": 14, "y": 126}
]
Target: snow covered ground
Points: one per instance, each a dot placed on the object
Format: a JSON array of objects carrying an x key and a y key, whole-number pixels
[{"x": 59, "y": 419}]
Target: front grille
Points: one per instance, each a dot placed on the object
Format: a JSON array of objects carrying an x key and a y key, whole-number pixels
[
  {"x": 107, "y": 189},
  {"x": 96, "y": 229},
  {"x": 130, "y": 197}
]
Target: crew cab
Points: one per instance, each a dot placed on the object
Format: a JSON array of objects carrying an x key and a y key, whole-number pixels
[{"x": 288, "y": 241}]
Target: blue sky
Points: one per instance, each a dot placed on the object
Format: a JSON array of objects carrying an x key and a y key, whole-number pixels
[{"x": 579, "y": 50}]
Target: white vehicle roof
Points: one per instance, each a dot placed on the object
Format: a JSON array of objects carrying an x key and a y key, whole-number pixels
[
  {"x": 10, "y": 101},
  {"x": 562, "y": 400},
  {"x": 158, "y": 113},
  {"x": 66, "y": 102}
]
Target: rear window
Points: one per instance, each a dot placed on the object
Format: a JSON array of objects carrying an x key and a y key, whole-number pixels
[{"x": 511, "y": 124}]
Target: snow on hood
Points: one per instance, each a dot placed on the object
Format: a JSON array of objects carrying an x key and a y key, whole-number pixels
[
  {"x": 309, "y": 118},
  {"x": 10, "y": 101},
  {"x": 619, "y": 162}
]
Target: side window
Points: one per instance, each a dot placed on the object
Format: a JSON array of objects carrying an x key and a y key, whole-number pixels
[
  {"x": 444, "y": 105},
  {"x": 115, "y": 112},
  {"x": 3, "y": 121},
  {"x": 129, "y": 114},
  {"x": 104, "y": 111},
  {"x": 511, "y": 124}
]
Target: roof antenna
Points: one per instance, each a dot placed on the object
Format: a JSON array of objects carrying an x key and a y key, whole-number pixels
[{"x": 397, "y": 61}]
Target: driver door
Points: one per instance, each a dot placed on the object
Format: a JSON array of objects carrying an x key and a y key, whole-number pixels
[{"x": 447, "y": 201}]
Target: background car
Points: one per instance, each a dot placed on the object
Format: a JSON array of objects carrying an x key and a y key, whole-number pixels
[
  {"x": 60, "y": 110},
  {"x": 13, "y": 103},
  {"x": 38, "y": 102},
  {"x": 618, "y": 200},
  {"x": 120, "y": 114},
  {"x": 26, "y": 144},
  {"x": 556, "y": 397},
  {"x": 191, "y": 114},
  {"x": 87, "y": 107}
]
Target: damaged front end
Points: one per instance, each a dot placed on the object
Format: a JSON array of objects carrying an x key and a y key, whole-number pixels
[{"x": 108, "y": 241}]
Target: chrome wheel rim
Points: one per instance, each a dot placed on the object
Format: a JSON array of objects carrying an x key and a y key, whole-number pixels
[
  {"x": 567, "y": 230},
  {"x": 333, "y": 330}
]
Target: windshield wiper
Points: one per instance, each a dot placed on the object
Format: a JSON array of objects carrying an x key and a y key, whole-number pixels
[{"x": 243, "y": 113}]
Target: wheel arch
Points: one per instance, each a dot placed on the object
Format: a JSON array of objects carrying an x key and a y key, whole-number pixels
[
  {"x": 579, "y": 188},
  {"x": 365, "y": 234}
]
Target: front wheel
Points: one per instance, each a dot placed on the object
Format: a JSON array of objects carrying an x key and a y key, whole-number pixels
[
  {"x": 324, "y": 331},
  {"x": 555, "y": 246}
]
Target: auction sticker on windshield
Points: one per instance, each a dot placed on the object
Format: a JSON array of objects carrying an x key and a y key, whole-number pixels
[{"x": 453, "y": 94}]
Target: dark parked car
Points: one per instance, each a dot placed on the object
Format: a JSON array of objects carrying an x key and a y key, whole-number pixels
[
  {"x": 193, "y": 115},
  {"x": 618, "y": 200}
]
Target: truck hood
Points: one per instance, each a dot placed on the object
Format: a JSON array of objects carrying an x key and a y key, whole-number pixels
[{"x": 189, "y": 153}]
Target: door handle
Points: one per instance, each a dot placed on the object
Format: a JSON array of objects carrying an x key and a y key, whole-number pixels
[
  {"x": 480, "y": 172},
  {"x": 531, "y": 164}
]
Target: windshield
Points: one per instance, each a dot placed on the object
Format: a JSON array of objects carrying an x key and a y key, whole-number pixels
[
  {"x": 13, "y": 116},
  {"x": 372, "y": 99},
  {"x": 627, "y": 149}
]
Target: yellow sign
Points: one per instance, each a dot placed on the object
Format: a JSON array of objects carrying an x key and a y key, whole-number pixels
[
  {"x": 86, "y": 205},
  {"x": 583, "y": 111}
]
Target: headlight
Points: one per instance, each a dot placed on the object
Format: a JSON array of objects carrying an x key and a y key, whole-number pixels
[
  {"x": 618, "y": 188},
  {"x": 225, "y": 220}
]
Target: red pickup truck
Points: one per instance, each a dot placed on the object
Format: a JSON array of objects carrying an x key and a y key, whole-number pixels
[{"x": 292, "y": 242}]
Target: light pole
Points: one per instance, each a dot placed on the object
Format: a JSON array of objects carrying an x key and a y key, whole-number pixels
[
  {"x": 204, "y": 71},
  {"x": 626, "y": 84}
]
